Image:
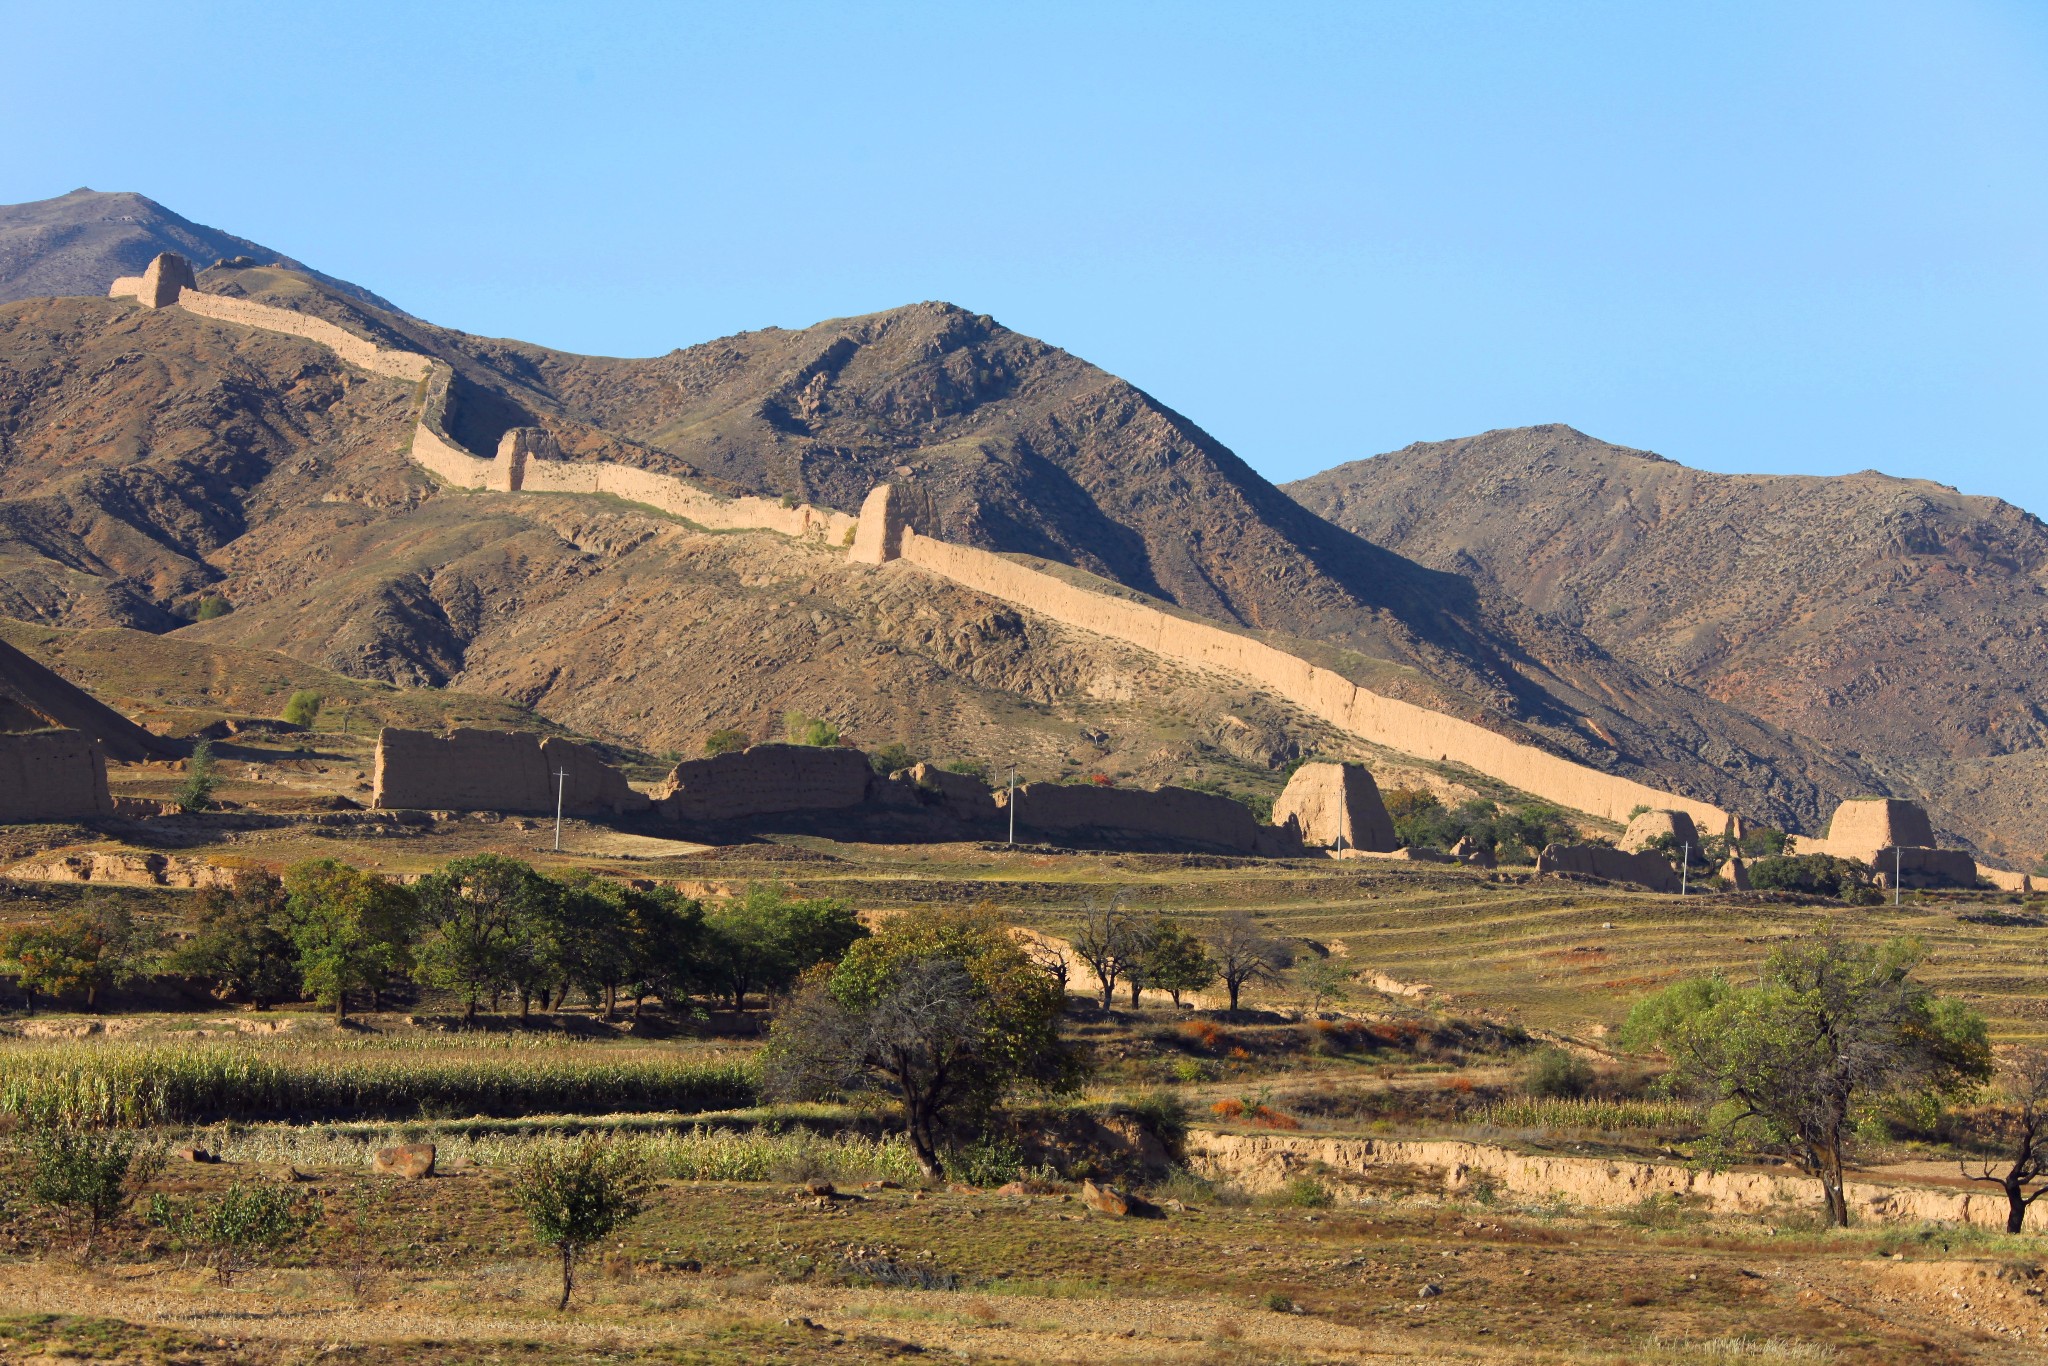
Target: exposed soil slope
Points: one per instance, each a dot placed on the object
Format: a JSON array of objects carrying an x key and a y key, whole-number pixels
[{"x": 1896, "y": 620}]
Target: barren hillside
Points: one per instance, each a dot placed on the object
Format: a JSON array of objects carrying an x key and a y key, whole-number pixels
[{"x": 1895, "y": 620}]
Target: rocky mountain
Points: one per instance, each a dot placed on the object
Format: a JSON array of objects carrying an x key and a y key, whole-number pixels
[
  {"x": 149, "y": 461},
  {"x": 79, "y": 243},
  {"x": 1897, "y": 621}
]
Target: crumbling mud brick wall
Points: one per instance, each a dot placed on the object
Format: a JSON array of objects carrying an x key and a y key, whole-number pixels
[
  {"x": 1170, "y": 813},
  {"x": 490, "y": 770},
  {"x": 1597, "y": 860},
  {"x": 1337, "y": 805},
  {"x": 1320, "y": 692},
  {"x": 765, "y": 780},
  {"x": 52, "y": 775},
  {"x": 1650, "y": 826}
]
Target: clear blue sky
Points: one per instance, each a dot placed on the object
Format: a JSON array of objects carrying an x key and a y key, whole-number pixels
[{"x": 1775, "y": 236}]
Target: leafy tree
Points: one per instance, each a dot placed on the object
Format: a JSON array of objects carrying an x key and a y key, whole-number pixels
[
  {"x": 800, "y": 729},
  {"x": 764, "y": 941},
  {"x": 1112, "y": 940},
  {"x": 1322, "y": 980},
  {"x": 2016, "y": 1127},
  {"x": 724, "y": 742},
  {"x": 1176, "y": 962},
  {"x": 239, "y": 1227},
  {"x": 480, "y": 912},
  {"x": 1245, "y": 953},
  {"x": 1815, "y": 875},
  {"x": 239, "y": 942},
  {"x": 84, "y": 951},
  {"x": 574, "y": 1194},
  {"x": 303, "y": 707},
  {"x": 1829, "y": 1027},
  {"x": 196, "y": 793},
  {"x": 892, "y": 757},
  {"x": 945, "y": 1011},
  {"x": 1555, "y": 1072},
  {"x": 92, "y": 1174},
  {"x": 212, "y": 607},
  {"x": 350, "y": 930},
  {"x": 628, "y": 940},
  {"x": 1514, "y": 834}
]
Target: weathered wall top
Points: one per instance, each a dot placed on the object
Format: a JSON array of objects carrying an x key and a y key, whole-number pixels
[
  {"x": 160, "y": 283},
  {"x": 1862, "y": 826},
  {"x": 1649, "y": 826},
  {"x": 1337, "y": 806}
]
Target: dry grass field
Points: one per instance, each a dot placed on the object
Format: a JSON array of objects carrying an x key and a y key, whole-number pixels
[{"x": 1455, "y": 977}]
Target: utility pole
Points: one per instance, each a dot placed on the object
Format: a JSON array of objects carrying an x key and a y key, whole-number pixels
[
  {"x": 1013, "y": 803},
  {"x": 1684, "y": 865},
  {"x": 561, "y": 784},
  {"x": 1895, "y": 875}
]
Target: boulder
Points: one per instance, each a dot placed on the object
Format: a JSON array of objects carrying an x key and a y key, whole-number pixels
[
  {"x": 411, "y": 1161},
  {"x": 1105, "y": 1200},
  {"x": 1647, "y": 827},
  {"x": 1337, "y": 806},
  {"x": 821, "y": 1188}
]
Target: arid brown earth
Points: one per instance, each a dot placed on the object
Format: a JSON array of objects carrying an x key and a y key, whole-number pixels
[
  {"x": 1896, "y": 620},
  {"x": 149, "y": 461}
]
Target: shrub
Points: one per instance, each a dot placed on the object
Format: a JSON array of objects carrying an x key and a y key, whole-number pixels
[
  {"x": 891, "y": 757},
  {"x": 91, "y": 1174},
  {"x": 1555, "y": 1072},
  {"x": 986, "y": 1161},
  {"x": 724, "y": 742},
  {"x": 1305, "y": 1192},
  {"x": 1813, "y": 874},
  {"x": 1206, "y": 1034},
  {"x": 799, "y": 729},
  {"x": 239, "y": 1227},
  {"x": 303, "y": 707},
  {"x": 212, "y": 607},
  {"x": 573, "y": 1194}
]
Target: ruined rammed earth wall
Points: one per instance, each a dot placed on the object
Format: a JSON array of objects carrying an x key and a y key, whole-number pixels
[
  {"x": 1321, "y": 692},
  {"x": 52, "y": 775}
]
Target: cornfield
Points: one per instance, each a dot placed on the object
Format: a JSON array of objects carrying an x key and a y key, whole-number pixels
[
  {"x": 188, "y": 1084},
  {"x": 1557, "y": 1112}
]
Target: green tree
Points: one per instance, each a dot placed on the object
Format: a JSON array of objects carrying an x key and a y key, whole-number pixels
[
  {"x": 238, "y": 941},
  {"x": 351, "y": 930},
  {"x": 303, "y": 707},
  {"x": 1830, "y": 1027},
  {"x": 85, "y": 951},
  {"x": 196, "y": 792},
  {"x": 764, "y": 940},
  {"x": 724, "y": 742},
  {"x": 1815, "y": 875},
  {"x": 630, "y": 941},
  {"x": 237, "y": 1229},
  {"x": 945, "y": 1011},
  {"x": 212, "y": 607},
  {"x": 574, "y": 1194},
  {"x": 91, "y": 1174},
  {"x": 1176, "y": 962},
  {"x": 2015, "y": 1127},
  {"x": 477, "y": 912}
]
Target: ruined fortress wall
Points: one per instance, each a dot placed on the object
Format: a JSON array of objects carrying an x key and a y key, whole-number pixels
[
  {"x": 52, "y": 775},
  {"x": 489, "y": 770},
  {"x": 1863, "y": 825},
  {"x": 357, "y": 351},
  {"x": 765, "y": 780},
  {"x": 1337, "y": 805},
  {"x": 1642, "y": 830},
  {"x": 1320, "y": 692},
  {"x": 672, "y": 495},
  {"x": 1173, "y": 813},
  {"x": 1615, "y": 865}
]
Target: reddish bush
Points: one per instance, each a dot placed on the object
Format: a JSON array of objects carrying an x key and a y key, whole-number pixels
[{"x": 1203, "y": 1033}]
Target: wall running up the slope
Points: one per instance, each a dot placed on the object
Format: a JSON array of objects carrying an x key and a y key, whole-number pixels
[{"x": 1320, "y": 692}]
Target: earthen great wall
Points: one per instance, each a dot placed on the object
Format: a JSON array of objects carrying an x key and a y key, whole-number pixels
[{"x": 879, "y": 535}]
